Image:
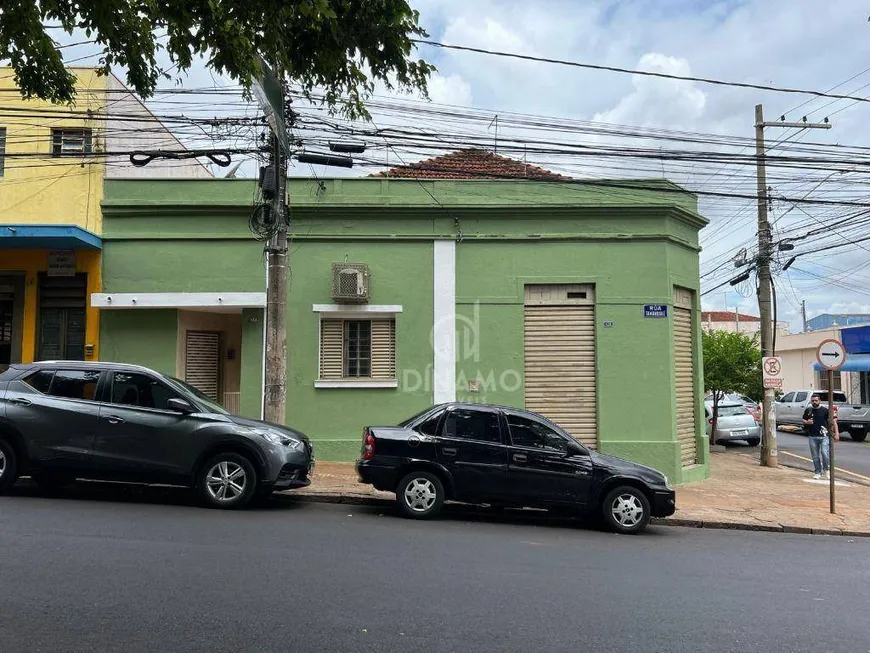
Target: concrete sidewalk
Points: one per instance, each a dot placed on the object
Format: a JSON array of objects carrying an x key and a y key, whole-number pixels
[{"x": 739, "y": 494}]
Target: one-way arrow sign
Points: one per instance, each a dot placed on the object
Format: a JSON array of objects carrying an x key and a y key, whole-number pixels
[{"x": 831, "y": 354}]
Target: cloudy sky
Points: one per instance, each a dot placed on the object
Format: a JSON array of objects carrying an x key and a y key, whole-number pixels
[{"x": 799, "y": 44}]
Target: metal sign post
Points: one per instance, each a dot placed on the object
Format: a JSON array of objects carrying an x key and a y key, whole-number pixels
[
  {"x": 831, "y": 435},
  {"x": 831, "y": 355}
]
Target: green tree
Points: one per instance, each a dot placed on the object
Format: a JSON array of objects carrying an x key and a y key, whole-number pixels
[
  {"x": 342, "y": 47},
  {"x": 732, "y": 363}
]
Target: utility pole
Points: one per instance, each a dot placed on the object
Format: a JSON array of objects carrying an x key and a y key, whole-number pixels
[
  {"x": 768, "y": 448},
  {"x": 804, "y": 314},
  {"x": 275, "y": 400}
]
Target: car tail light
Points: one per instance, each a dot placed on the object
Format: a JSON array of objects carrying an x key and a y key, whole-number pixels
[
  {"x": 368, "y": 445},
  {"x": 710, "y": 421}
]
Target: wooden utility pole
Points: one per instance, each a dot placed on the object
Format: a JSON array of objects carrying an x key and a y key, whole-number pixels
[
  {"x": 275, "y": 399},
  {"x": 769, "y": 456},
  {"x": 768, "y": 439}
]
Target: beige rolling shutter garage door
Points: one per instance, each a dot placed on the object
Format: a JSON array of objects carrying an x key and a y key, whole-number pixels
[
  {"x": 202, "y": 361},
  {"x": 684, "y": 360},
  {"x": 560, "y": 358}
]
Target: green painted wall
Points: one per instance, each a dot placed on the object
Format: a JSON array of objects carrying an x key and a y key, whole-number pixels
[
  {"x": 401, "y": 273},
  {"x": 183, "y": 266},
  {"x": 140, "y": 337}
]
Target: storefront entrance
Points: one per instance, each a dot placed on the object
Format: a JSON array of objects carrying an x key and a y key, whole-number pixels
[{"x": 11, "y": 314}]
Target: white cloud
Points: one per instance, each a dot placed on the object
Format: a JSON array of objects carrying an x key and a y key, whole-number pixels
[
  {"x": 657, "y": 101},
  {"x": 450, "y": 89}
]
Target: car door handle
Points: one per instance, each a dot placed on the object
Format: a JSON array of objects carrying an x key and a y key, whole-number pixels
[
  {"x": 18, "y": 401},
  {"x": 520, "y": 457},
  {"x": 448, "y": 451},
  {"x": 114, "y": 419}
]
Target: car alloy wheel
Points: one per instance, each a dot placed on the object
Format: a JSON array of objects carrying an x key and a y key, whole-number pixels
[
  {"x": 627, "y": 510},
  {"x": 420, "y": 494},
  {"x": 2, "y": 463},
  {"x": 226, "y": 481}
]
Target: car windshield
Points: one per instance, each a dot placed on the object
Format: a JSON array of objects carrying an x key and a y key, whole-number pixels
[
  {"x": 839, "y": 397},
  {"x": 203, "y": 399},
  {"x": 732, "y": 411}
]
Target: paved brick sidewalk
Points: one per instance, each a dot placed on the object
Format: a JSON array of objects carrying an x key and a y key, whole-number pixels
[{"x": 738, "y": 494}]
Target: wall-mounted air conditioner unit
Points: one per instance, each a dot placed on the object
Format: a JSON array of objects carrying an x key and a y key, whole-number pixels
[{"x": 350, "y": 283}]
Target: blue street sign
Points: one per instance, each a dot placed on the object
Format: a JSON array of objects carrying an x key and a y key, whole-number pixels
[{"x": 655, "y": 310}]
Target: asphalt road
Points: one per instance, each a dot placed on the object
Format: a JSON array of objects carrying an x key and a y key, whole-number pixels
[
  {"x": 109, "y": 569},
  {"x": 794, "y": 451}
]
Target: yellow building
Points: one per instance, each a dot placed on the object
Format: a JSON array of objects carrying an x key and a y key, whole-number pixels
[{"x": 53, "y": 160}]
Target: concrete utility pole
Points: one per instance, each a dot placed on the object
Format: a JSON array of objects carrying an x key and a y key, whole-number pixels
[
  {"x": 804, "y": 314},
  {"x": 275, "y": 400},
  {"x": 768, "y": 448}
]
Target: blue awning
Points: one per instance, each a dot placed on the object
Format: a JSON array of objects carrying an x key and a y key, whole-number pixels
[
  {"x": 47, "y": 236},
  {"x": 854, "y": 363}
]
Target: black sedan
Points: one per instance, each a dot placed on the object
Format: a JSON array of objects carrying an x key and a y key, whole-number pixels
[
  {"x": 65, "y": 420},
  {"x": 505, "y": 457}
]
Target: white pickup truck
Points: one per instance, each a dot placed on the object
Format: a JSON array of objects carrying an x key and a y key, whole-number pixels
[{"x": 852, "y": 418}]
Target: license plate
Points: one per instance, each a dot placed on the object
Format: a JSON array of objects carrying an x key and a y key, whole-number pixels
[
  {"x": 740, "y": 432},
  {"x": 857, "y": 426}
]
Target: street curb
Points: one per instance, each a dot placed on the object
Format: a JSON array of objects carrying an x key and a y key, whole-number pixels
[
  {"x": 358, "y": 500},
  {"x": 351, "y": 499}
]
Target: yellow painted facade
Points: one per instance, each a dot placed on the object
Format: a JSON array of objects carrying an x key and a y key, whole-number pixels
[{"x": 37, "y": 188}]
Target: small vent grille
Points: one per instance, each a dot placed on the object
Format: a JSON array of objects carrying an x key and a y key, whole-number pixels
[{"x": 350, "y": 283}]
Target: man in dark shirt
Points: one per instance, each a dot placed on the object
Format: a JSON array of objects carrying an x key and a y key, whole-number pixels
[{"x": 816, "y": 420}]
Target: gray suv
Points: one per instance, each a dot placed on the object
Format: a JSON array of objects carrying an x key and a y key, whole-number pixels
[{"x": 63, "y": 420}]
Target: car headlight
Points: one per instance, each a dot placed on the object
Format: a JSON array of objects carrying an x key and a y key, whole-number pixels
[
  {"x": 276, "y": 437},
  {"x": 667, "y": 484}
]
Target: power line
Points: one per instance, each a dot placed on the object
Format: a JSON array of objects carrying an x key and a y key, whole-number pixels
[{"x": 616, "y": 69}]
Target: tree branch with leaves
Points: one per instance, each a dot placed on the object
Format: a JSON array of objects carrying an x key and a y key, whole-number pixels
[{"x": 342, "y": 47}]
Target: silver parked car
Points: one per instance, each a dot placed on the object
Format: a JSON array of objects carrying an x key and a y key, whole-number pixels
[{"x": 735, "y": 423}]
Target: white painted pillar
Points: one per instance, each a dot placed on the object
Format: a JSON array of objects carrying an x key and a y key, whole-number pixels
[{"x": 444, "y": 321}]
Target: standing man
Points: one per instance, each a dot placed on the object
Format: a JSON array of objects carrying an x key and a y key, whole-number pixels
[{"x": 816, "y": 420}]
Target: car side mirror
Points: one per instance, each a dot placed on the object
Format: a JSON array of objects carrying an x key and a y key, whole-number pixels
[
  {"x": 180, "y": 406},
  {"x": 574, "y": 449}
]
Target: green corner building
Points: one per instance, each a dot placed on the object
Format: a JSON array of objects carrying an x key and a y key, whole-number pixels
[{"x": 578, "y": 300}]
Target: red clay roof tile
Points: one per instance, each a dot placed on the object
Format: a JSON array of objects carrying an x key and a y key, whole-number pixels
[{"x": 471, "y": 164}]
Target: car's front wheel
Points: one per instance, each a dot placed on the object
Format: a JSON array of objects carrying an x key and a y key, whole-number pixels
[
  {"x": 8, "y": 466},
  {"x": 626, "y": 510},
  {"x": 228, "y": 481},
  {"x": 420, "y": 495}
]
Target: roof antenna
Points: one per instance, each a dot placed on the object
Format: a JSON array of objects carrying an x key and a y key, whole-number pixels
[{"x": 495, "y": 144}]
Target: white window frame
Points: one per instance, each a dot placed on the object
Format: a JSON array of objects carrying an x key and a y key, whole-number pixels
[{"x": 354, "y": 312}]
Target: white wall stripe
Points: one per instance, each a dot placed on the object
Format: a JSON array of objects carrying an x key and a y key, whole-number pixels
[{"x": 444, "y": 321}]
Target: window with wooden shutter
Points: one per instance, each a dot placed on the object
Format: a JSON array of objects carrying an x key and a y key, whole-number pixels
[{"x": 357, "y": 349}]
